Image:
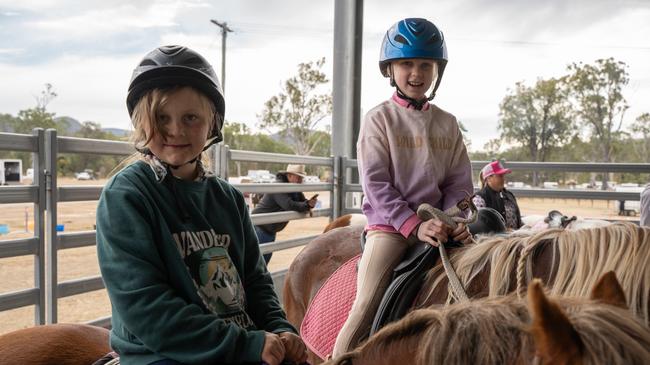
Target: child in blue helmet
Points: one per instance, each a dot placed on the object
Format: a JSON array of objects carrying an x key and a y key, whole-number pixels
[
  {"x": 409, "y": 152},
  {"x": 177, "y": 250}
]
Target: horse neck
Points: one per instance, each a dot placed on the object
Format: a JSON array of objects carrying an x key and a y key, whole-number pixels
[
  {"x": 489, "y": 280},
  {"x": 403, "y": 351}
]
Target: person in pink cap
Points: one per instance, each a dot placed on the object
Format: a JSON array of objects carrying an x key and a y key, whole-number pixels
[{"x": 493, "y": 194}]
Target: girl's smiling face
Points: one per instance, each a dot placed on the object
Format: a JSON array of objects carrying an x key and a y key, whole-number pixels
[
  {"x": 184, "y": 123},
  {"x": 414, "y": 76}
]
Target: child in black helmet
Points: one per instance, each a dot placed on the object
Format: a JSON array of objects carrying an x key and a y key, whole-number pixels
[{"x": 177, "y": 250}]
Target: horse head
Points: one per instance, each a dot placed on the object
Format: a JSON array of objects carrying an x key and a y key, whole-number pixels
[
  {"x": 539, "y": 330},
  {"x": 556, "y": 339}
]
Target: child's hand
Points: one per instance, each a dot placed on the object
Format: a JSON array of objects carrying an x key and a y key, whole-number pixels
[
  {"x": 433, "y": 231},
  {"x": 273, "y": 351},
  {"x": 461, "y": 234},
  {"x": 296, "y": 351}
]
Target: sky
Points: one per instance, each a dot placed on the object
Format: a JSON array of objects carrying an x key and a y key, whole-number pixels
[{"x": 88, "y": 49}]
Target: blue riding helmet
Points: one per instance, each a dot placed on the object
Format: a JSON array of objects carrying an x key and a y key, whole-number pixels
[{"x": 414, "y": 38}]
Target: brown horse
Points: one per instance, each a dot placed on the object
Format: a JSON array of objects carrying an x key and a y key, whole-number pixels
[
  {"x": 347, "y": 221},
  {"x": 507, "y": 330},
  {"x": 60, "y": 344},
  {"x": 569, "y": 261}
]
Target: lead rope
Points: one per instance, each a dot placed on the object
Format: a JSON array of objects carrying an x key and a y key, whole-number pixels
[{"x": 451, "y": 218}]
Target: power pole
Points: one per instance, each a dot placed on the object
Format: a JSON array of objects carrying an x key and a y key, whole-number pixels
[{"x": 224, "y": 32}]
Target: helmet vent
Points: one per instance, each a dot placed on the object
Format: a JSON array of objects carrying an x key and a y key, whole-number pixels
[
  {"x": 399, "y": 38},
  {"x": 147, "y": 62},
  {"x": 170, "y": 50},
  {"x": 432, "y": 40}
]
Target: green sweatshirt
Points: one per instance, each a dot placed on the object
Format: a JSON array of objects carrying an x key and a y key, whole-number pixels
[{"x": 194, "y": 290}]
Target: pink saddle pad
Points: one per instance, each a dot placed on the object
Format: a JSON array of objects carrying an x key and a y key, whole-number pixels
[{"x": 329, "y": 309}]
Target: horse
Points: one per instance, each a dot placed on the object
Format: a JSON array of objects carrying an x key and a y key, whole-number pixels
[
  {"x": 569, "y": 261},
  {"x": 509, "y": 330},
  {"x": 346, "y": 221},
  {"x": 61, "y": 344}
]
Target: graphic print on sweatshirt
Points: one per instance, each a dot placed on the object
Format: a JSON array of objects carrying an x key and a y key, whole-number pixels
[{"x": 217, "y": 281}]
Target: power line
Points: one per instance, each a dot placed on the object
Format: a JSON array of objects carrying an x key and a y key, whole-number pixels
[{"x": 301, "y": 31}]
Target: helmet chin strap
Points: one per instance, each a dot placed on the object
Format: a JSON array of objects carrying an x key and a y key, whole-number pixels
[
  {"x": 147, "y": 151},
  {"x": 416, "y": 104},
  {"x": 176, "y": 167}
]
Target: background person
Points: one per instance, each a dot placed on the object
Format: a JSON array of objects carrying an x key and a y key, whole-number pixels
[
  {"x": 493, "y": 194},
  {"x": 282, "y": 202}
]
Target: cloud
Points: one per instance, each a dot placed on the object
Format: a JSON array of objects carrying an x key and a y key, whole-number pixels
[
  {"x": 87, "y": 50},
  {"x": 107, "y": 28}
]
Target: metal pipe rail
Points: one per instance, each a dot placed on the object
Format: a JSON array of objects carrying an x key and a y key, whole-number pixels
[
  {"x": 572, "y": 166},
  {"x": 254, "y": 156},
  {"x": 45, "y": 195}
]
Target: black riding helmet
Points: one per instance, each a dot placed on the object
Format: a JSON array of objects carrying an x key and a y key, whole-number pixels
[
  {"x": 169, "y": 66},
  {"x": 487, "y": 221}
]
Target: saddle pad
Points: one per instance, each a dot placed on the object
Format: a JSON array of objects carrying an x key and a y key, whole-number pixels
[{"x": 329, "y": 309}]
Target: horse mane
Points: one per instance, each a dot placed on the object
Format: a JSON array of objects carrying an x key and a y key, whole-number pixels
[
  {"x": 401, "y": 333},
  {"x": 579, "y": 258},
  {"x": 496, "y": 331}
]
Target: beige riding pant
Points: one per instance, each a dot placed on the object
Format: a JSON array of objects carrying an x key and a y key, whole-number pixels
[{"x": 382, "y": 252}]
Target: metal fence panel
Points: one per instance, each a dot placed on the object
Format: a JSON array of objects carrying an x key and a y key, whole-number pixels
[{"x": 45, "y": 194}]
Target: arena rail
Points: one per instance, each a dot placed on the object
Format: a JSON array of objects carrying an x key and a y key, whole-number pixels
[{"x": 45, "y": 194}]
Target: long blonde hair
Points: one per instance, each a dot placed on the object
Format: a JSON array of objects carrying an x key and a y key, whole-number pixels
[{"x": 144, "y": 120}]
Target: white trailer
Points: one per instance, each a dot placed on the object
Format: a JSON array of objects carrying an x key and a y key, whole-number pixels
[{"x": 11, "y": 171}]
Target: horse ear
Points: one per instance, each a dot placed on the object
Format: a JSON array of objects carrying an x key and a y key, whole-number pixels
[
  {"x": 556, "y": 341},
  {"x": 608, "y": 290}
]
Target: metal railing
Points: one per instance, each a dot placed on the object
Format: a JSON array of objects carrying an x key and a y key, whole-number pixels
[{"x": 45, "y": 194}]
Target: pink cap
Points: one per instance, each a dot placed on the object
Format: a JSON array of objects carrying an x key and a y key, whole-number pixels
[{"x": 494, "y": 168}]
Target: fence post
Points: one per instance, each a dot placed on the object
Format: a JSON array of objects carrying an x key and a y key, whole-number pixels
[
  {"x": 51, "y": 153},
  {"x": 224, "y": 161},
  {"x": 337, "y": 187},
  {"x": 213, "y": 153},
  {"x": 38, "y": 160}
]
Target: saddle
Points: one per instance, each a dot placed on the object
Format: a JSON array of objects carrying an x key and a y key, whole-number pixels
[
  {"x": 408, "y": 276},
  {"x": 405, "y": 285}
]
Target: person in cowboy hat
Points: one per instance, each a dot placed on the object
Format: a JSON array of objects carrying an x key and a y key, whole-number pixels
[
  {"x": 493, "y": 194},
  {"x": 281, "y": 202}
]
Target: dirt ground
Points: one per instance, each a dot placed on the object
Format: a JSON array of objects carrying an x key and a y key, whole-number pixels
[{"x": 18, "y": 272}]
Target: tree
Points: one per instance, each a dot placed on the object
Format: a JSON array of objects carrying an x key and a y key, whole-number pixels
[
  {"x": 641, "y": 126},
  {"x": 600, "y": 104},
  {"x": 37, "y": 117},
  {"x": 101, "y": 165},
  {"x": 238, "y": 136},
  {"x": 297, "y": 110},
  {"x": 536, "y": 117},
  {"x": 466, "y": 139}
]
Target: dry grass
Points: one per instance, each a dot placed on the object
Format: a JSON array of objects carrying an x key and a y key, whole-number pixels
[{"x": 18, "y": 272}]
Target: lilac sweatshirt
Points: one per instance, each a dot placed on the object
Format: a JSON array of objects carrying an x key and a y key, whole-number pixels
[{"x": 408, "y": 157}]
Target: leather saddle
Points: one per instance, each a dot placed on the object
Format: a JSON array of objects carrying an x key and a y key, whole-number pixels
[{"x": 408, "y": 276}]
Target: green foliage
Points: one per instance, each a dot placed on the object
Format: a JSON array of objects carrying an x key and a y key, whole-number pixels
[
  {"x": 537, "y": 117},
  {"x": 100, "y": 164},
  {"x": 297, "y": 110},
  {"x": 641, "y": 126},
  {"x": 600, "y": 105}
]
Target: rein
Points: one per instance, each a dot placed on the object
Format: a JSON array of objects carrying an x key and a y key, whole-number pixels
[{"x": 450, "y": 217}]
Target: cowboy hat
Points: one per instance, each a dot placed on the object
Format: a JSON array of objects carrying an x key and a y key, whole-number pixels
[{"x": 296, "y": 170}]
